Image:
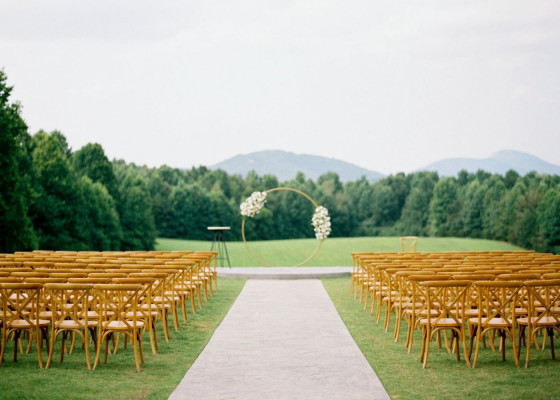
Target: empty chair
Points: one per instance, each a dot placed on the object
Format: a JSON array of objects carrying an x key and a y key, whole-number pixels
[
  {"x": 20, "y": 313},
  {"x": 118, "y": 313},
  {"x": 543, "y": 299},
  {"x": 69, "y": 305},
  {"x": 498, "y": 303},
  {"x": 445, "y": 305}
]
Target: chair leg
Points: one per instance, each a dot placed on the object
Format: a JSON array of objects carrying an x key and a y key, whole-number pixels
[
  {"x": 135, "y": 335},
  {"x": 551, "y": 334},
  {"x": 86, "y": 343},
  {"x": 426, "y": 349},
  {"x": 165, "y": 322},
  {"x": 16, "y": 338},
  {"x": 528, "y": 345}
]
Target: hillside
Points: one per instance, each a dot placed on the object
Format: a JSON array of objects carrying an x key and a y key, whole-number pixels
[
  {"x": 285, "y": 165},
  {"x": 497, "y": 163}
]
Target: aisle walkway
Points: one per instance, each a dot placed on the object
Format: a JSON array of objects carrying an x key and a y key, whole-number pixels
[{"x": 282, "y": 339}]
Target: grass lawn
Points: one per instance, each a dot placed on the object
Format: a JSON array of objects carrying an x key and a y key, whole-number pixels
[
  {"x": 118, "y": 379},
  {"x": 404, "y": 378},
  {"x": 333, "y": 251},
  {"x": 400, "y": 372}
]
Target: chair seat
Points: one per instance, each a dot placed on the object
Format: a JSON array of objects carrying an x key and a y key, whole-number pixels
[
  {"x": 23, "y": 324},
  {"x": 443, "y": 322},
  {"x": 139, "y": 315},
  {"x": 491, "y": 322},
  {"x": 70, "y": 324},
  {"x": 121, "y": 326},
  {"x": 544, "y": 321}
]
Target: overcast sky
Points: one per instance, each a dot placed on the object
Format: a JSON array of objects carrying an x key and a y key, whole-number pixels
[{"x": 388, "y": 85}]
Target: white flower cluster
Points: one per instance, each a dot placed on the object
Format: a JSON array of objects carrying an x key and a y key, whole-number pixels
[
  {"x": 322, "y": 223},
  {"x": 253, "y": 204}
]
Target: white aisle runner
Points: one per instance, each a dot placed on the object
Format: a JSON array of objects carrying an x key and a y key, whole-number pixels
[{"x": 282, "y": 339}]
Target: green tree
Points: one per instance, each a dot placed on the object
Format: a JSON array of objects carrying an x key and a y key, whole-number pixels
[
  {"x": 511, "y": 210},
  {"x": 511, "y": 178},
  {"x": 548, "y": 218},
  {"x": 415, "y": 213},
  {"x": 444, "y": 209},
  {"x": 135, "y": 211},
  {"x": 164, "y": 215},
  {"x": 192, "y": 211},
  {"x": 56, "y": 211},
  {"x": 400, "y": 189},
  {"x": 471, "y": 212},
  {"x": 493, "y": 209},
  {"x": 332, "y": 197},
  {"x": 100, "y": 225},
  {"x": 526, "y": 227},
  {"x": 17, "y": 231},
  {"x": 92, "y": 162},
  {"x": 360, "y": 194}
]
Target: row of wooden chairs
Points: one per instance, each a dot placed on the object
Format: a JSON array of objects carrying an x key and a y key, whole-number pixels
[
  {"x": 365, "y": 263},
  {"x": 128, "y": 296},
  {"x": 405, "y": 289}
]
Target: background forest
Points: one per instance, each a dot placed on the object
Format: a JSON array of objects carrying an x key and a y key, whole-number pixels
[{"x": 52, "y": 197}]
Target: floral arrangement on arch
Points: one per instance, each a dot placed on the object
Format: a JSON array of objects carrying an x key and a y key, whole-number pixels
[
  {"x": 321, "y": 221},
  {"x": 253, "y": 204}
]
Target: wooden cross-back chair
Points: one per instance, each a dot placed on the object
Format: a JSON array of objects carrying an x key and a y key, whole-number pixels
[
  {"x": 69, "y": 306},
  {"x": 20, "y": 313},
  {"x": 543, "y": 300},
  {"x": 497, "y": 308},
  {"x": 446, "y": 304},
  {"x": 201, "y": 275},
  {"x": 417, "y": 308},
  {"x": 162, "y": 282},
  {"x": 210, "y": 263},
  {"x": 185, "y": 286},
  {"x": 147, "y": 310},
  {"x": 118, "y": 313},
  {"x": 408, "y": 244},
  {"x": 403, "y": 300}
]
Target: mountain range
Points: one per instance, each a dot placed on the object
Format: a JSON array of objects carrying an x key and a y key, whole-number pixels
[
  {"x": 285, "y": 165},
  {"x": 498, "y": 163}
]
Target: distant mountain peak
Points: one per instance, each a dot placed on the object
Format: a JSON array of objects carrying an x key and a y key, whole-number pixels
[
  {"x": 285, "y": 165},
  {"x": 498, "y": 163}
]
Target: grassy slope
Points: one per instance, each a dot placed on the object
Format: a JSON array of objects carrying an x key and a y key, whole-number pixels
[{"x": 333, "y": 252}]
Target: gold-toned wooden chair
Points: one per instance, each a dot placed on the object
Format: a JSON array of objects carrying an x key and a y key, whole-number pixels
[
  {"x": 403, "y": 300},
  {"x": 69, "y": 306},
  {"x": 184, "y": 285},
  {"x": 147, "y": 310},
  {"x": 543, "y": 299},
  {"x": 408, "y": 244},
  {"x": 448, "y": 300},
  {"x": 418, "y": 306},
  {"x": 162, "y": 284},
  {"x": 498, "y": 306},
  {"x": 171, "y": 296},
  {"x": 20, "y": 313},
  {"x": 118, "y": 311}
]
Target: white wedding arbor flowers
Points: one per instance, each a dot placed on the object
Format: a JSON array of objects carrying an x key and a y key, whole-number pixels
[{"x": 255, "y": 202}]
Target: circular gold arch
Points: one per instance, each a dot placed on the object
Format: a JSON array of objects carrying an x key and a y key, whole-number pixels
[{"x": 278, "y": 189}]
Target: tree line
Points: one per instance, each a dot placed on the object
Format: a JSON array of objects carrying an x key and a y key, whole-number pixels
[{"x": 55, "y": 198}]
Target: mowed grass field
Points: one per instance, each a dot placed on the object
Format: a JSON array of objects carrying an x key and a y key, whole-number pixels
[
  {"x": 404, "y": 378},
  {"x": 118, "y": 379},
  {"x": 400, "y": 372},
  {"x": 333, "y": 251}
]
